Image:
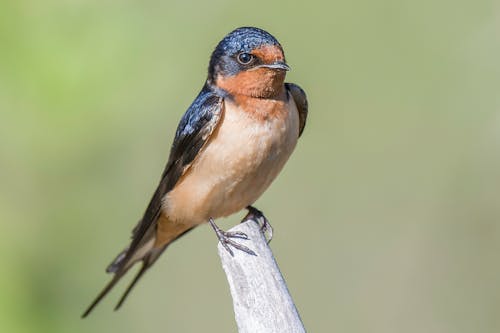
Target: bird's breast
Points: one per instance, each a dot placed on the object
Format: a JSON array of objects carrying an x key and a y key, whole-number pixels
[{"x": 248, "y": 149}]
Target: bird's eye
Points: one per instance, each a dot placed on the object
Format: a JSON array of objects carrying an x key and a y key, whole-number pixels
[{"x": 245, "y": 58}]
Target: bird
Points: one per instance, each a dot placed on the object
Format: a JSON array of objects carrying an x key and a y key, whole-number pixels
[{"x": 230, "y": 144}]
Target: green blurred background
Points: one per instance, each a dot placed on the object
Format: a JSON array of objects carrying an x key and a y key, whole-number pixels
[{"x": 386, "y": 217}]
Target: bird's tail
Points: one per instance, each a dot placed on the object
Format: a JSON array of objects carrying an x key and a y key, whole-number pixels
[
  {"x": 148, "y": 253},
  {"x": 147, "y": 260}
]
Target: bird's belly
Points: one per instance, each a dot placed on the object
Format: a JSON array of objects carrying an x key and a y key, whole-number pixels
[{"x": 242, "y": 158}]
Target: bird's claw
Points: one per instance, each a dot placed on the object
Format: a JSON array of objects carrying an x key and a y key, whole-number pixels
[
  {"x": 236, "y": 234},
  {"x": 226, "y": 241},
  {"x": 265, "y": 227}
]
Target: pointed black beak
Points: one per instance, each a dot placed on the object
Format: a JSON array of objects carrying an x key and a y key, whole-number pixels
[{"x": 277, "y": 65}]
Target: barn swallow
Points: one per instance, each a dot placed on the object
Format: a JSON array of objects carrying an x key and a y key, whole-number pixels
[{"x": 229, "y": 146}]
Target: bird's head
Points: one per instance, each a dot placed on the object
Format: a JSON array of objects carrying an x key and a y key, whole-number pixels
[{"x": 250, "y": 62}]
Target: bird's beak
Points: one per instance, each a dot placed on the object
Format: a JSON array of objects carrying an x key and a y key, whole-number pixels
[{"x": 276, "y": 65}]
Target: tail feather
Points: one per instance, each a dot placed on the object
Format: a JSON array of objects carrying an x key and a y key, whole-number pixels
[
  {"x": 147, "y": 262},
  {"x": 120, "y": 267},
  {"x": 139, "y": 274},
  {"x": 104, "y": 292},
  {"x": 117, "y": 262},
  {"x": 147, "y": 254}
]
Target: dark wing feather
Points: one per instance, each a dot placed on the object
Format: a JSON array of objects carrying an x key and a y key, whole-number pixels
[
  {"x": 300, "y": 98},
  {"x": 194, "y": 130}
]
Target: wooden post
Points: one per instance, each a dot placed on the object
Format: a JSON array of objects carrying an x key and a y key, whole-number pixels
[{"x": 261, "y": 299}]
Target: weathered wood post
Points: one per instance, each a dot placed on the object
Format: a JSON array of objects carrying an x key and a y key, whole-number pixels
[{"x": 261, "y": 300}]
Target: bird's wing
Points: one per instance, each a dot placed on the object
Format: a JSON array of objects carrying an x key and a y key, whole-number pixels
[
  {"x": 194, "y": 130},
  {"x": 300, "y": 98}
]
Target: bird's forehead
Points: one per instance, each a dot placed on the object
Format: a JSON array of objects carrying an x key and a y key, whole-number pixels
[{"x": 269, "y": 53}]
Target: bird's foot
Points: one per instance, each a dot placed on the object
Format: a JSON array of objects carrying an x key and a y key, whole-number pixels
[
  {"x": 226, "y": 241},
  {"x": 257, "y": 216}
]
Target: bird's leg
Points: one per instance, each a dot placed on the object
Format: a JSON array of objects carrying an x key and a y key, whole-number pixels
[
  {"x": 226, "y": 241},
  {"x": 257, "y": 216}
]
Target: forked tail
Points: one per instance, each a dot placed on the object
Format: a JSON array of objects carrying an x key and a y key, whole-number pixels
[{"x": 147, "y": 254}]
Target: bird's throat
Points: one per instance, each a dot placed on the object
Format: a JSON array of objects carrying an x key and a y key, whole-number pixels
[{"x": 259, "y": 82}]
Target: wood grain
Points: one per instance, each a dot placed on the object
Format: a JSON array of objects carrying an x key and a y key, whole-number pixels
[{"x": 261, "y": 300}]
